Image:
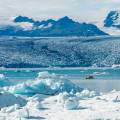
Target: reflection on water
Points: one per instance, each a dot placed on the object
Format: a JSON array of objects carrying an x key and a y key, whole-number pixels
[{"x": 100, "y": 86}]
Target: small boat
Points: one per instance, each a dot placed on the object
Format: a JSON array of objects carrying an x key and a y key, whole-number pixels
[
  {"x": 18, "y": 71},
  {"x": 90, "y": 77}
]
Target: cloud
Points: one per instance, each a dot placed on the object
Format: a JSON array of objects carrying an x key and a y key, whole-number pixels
[{"x": 83, "y": 10}]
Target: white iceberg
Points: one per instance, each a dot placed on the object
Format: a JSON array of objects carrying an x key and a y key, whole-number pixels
[
  {"x": 87, "y": 94},
  {"x": 71, "y": 103},
  {"x": 68, "y": 101}
]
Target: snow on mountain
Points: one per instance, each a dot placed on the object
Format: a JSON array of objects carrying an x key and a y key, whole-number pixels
[
  {"x": 113, "y": 31},
  {"x": 113, "y": 19},
  {"x": 26, "y": 25},
  {"x": 27, "y": 22},
  {"x": 45, "y": 26},
  {"x": 111, "y": 23}
]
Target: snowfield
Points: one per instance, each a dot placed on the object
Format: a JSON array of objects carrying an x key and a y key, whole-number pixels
[
  {"x": 70, "y": 102},
  {"x": 66, "y": 107}
]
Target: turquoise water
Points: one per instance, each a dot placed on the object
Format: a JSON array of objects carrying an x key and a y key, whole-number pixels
[
  {"x": 104, "y": 78},
  {"x": 73, "y": 74}
]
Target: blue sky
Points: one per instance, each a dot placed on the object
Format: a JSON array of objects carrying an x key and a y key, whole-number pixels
[{"x": 80, "y": 10}]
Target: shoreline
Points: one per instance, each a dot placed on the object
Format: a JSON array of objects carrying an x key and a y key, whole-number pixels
[{"x": 61, "y": 68}]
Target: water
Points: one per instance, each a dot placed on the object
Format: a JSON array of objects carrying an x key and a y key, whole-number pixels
[{"x": 106, "y": 79}]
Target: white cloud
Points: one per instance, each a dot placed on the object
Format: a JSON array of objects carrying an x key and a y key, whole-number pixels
[
  {"x": 26, "y": 25},
  {"x": 84, "y": 10}
]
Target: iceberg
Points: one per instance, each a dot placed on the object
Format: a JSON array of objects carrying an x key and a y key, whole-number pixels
[{"x": 47, "y": 84}]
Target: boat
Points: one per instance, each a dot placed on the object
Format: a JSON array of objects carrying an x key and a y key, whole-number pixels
[{"x": 90, "y": 77}]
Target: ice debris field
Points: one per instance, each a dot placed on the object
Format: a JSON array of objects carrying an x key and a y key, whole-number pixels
[{"x": 53, "y": 97}]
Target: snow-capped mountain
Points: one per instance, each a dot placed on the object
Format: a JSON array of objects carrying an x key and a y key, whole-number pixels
[
  {"x": 113, "y": 19},
  {"x": 111, "y": 23},
  {"x": 24, "y": 26}
]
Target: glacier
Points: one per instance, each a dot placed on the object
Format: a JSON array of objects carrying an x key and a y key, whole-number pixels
[{"x": 29, "y": 52}]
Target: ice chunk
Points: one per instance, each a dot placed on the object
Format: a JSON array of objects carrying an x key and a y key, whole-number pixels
[
  {"x": 34, "y": 104},
  {"x": 2, "y": 76},
  {"x": 68, "y": 101},
  {"x": 87, "y": 94},
  {"x": 8, "y": 99},
  {"x": 24, "y": 113},
  {"x": 71, "y": 103},
  {"x": 3, "y": 81},
  {"x": 10, "y": 108},
  {"x": 62, "y": 97},
  {"x": 47, "y": 84}
]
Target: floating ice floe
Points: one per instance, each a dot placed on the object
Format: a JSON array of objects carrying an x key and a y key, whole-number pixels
[
  {"x": 27, "y": 70},
  {"x": 4, "y": 81},
  {"x": 100, "y": 73},
  {"x": 46, "y": 84},
  {"x": 2, "y": 76},
  {"x": 116, "y": 66}
]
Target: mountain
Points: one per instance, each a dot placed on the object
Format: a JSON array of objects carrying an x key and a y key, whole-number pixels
[
  {"x": 36, "y": 24},
  {"x": 25, "y": 26},
  {"x": 21, "y": 52},
  {"x": 111, "y": 23},
  {"x": 23, "y": 19},
  {"x": 112, "y": 19}
]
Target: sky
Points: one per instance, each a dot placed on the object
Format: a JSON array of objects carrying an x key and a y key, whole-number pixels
[{"x": 80, "y": 10}]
